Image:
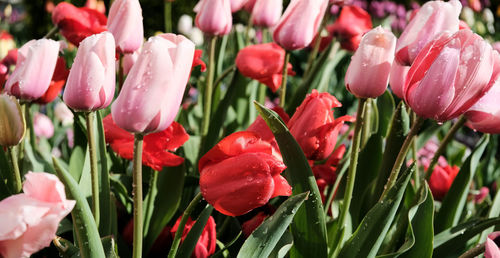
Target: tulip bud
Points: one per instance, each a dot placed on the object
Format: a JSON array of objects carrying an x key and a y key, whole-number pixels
[
  {"x": 484, "y": 116},
  {"x": 266, "y": 13},
  {"x": 214, "y": 17},
  {"x": 397, "y": 78},
  {"x": 236, "y": 5},
  {"x": 441, "y": 179},
  {"x": 206, "y": 244},
  {"x": 91, "y": 80},
  {"x": 370, "y": 67},
  {"x": 153, "y": 91},
  {"x": 36, "y": 61},
  {"x": 43, "y": 126},
  {"x": 433, "y": 18},
  {"x": 11, "y": 120},
  {"x": 348, "y": 29},
  {"x": 125, "y": 23},
  {"x": 299, "y": 24}
]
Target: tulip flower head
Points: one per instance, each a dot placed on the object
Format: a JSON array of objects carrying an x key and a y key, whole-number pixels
[
  {"x": 91, "y": 80},
  {"x": 214, "y": 17},
  {"x": 12, "y": 121},
  {"x": 236, "y": 5},
  {"x": 350, "y": 26},
  {"x": 397, "y": 78},
  {"x": 484, "y": 116},
  {"x": 43, "y": 126},
  {"x": 266, "y": 13},
  {"x": 206, "y": 244},
  {"x": 441, "y": 180},
  {"x": 125, "y": 23},
  {"x": 370, "y": 67},
  {"x": 491, "y": 245}
]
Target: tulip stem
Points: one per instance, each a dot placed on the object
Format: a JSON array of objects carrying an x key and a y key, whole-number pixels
[
  {"x": 283, "y": 80},
  {"x": 15, "y": 166},
  {"x": 51, "y": 32},
  {"x": 247, "y": 30},
  {"x": 417, "y": 123},
  {"x": 182, "y": 223},
  {"x": 416, "y": 175},
  {"x": 351, "y": 173},
  {"x": 29, "y": 126},
  {"x": 94, "y": 172},
  {"x": 317, "y": 42},
  {"x": 209, "y": 87},
  {"x": 442, "y": 147},
  {"x": 167, "y": 12},
  {"x": 137, "y": 196},
  {"x": 474, "y": 252}
]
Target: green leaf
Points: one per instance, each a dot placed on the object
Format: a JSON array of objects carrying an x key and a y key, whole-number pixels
[
  {"x": 308, "y": 228},
  {"x": 493, "y": 213},
  {"x": 283, "y": 246},
  {"x": 105, "y": 191},
  {"x": 66, "y": 248},
  {"x": 76, "y": 162},
  {"x": 366, "y": 240},
  {"x": 6, "y": 176},
  {"x": 110, "y": 248},
  {"x": 454, "y": 202},
  {"x": 386, "y": 106},
  {"x": 87, "y": 234},
  {"x": 263, "y": 240},
  {"x": 189, "y": 243}
]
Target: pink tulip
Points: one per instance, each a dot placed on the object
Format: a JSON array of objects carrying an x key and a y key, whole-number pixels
[
  {"x": 496, "y": 46},
  {"x": 29, "y": 221},
  {"x": 266, "y": 13},
  {"x": 450, "y": 74},
  {"x": 236, "y": 5},
  {"x": 43, "y": 126},
  {"x": 153, "y": 90},
  {"x": 36, "y": 61},
  {"x": 129, "y": 61},
  {"x": 484, "y": 116},
  {"x": 491, "y": 247},
  {"x": 370, "y": 67},
  {"x": 125, "y": 23},
  {"x": 299, "y": 24},
  {"x": 214, "y": 17},
  {"x": 91, "y": 80},
  {"x": 433, "y": 18},
  {"x": 397, "y": 78}
]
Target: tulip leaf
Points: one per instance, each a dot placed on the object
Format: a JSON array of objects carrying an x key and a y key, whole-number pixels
[
  {"x": 87, "y": 234},
  {"x": 109, "y": 246},
  {"x": 385, "y": 106},
  {"x": 453, "y": 240},
  {"x": 366, "y": 240},
  {"x": 263, "y": 240},
  {"x": 283, "y": 246},
  {"x": 493, "y": 212},
  {"x": 66, "y": 248},
  {"x": 105, "y": 192},
  {"x": 170, "y": 184},
  {"x": 453, "y": 203},
  {"x": 77, "y": 161},
  {"x": 308, "y": 228},
  {"x": 189, "y": 243},
  {"x": 6, "y": 175}
]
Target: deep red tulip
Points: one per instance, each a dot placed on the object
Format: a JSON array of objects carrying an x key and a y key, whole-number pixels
[
  {"x": 249, "y": 226},
  {"x": 76, "y": 23},
  {"x": 241, "y": 165},
  {"x": 197, "y": 60},
  {"x": 314, "y": 126},
  {"x": 441, "y": 179},
  {"x": 57, "y": 83},
  {"x": 263, "y": 62},
  {"x": 260, "y": 127},
  {"x": 352, "y": 23},
  {"x": 157, "y": 146},
  {"x": 208, "y": 238}
]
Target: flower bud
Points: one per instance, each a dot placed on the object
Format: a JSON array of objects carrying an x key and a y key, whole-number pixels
[
  {"x": 214, "y": 17},
  {"x": 125, "y": 23},
  {"x": 266, "y": 13},
  {"x": 12, "y": 123}
]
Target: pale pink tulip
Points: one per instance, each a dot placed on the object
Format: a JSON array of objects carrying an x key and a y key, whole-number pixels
[
  {"x": 236, "y": 5},
  {"x": 153, "y": 90},
  {"x": 214, "y": 17},
  {"x": 496, "y": 46},
  {"x": 484, "y": 116},
  {"x": 397, "y": 78},
  {"x": 450, "y": 74},
  {"x": 63, "y": 114},
  {"x": 29, "y": 221},
  {"x": 368, "y": 73},
  {"x": 91, "y": 81},
  {"x": 432, "y": 19},
  {"x": 125, "y": 23},
  {"x": 43, "y": 126},
  {"x": 129, "y": 61},
  {"x": 36, "y": 61},
  {"x": 491, "y": 248},
  {"x": 299, "y": 24},
  {"x": 266, "y": 13}
]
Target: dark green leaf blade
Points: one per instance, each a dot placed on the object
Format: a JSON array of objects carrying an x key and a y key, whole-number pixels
[{"x": 189, "y": 243}]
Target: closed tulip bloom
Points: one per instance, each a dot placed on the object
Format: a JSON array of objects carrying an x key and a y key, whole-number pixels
[
  {"x": 236, "y": 5},
  {"x": 56, "y": 83},
  {"x": 91, "y": 80},
  {"x": 36, "y": 61},
  {"x": 484, "y": 116},
  {"x": 29, "y": 220},
  {"x": 12, "y": 121},
  {"x": 43, "y": 126},
  {"x": 441, "y": 180},
  {"x": 206, "y": 244},
  {"x": 314, "y": 126},
  {"x": 491, "y": 246},
  {"x": 368, "y": 73},
  {"x": 432, "y": 19},
  {"x": 153, "y": 91},
  {"x": 266, "y": 13},
  {"x": 125, "y": 23},
  {"x": 214, "y": 17},
  {"x": 397, "y": 78},
  {"x": 241, "y": 165},
  {"x": 299, "y": 24},
  {"x": 451, "y": 74},
  {"x": 350, "y": 26}
]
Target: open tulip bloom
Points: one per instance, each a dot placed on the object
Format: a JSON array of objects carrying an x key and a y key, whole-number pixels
[{"x": 307, "y": 129}]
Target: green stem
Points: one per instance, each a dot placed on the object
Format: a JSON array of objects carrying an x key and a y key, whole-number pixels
[
  {"x": 94, "y": 171},
  {"x": 262, "y": 93},
  {"x": 153, "y": 191},
  {"x": 402, "y": 155},
  {"x": 224, "y": 74},
  {"x": 283, "y": 80},
  {"x": 367, "y": 122},
  {"x": 247, "y": 30},
  {"x": 167, "y": 11},
  {"x": 351, "y": 174},
  {"x": 29, "y": 126},
  {"x": 182, "y": 223},
  {"x": 51, "y": 33},
  {"x": 333, "y": 189},
  {"x": 137, "y": 196},
  {"x": 264, "y": 35},
  {"x": 120, "y": 73},
  {"x": 442, "y": 147},
  {"x": 474, "y": 252},
  {"x": 317, "y": 43},
  {"x": 416, "y": 175},
  {"x": 207, "y": 101},
  {"x": 17, "y": 175}
]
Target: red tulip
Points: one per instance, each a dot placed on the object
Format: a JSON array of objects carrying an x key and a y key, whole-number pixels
[
  {"x": 260, "y": 127},
  {"x": 197, "y": 60},
  {"x": 206, "y": 243},
  {"x": 57, "y": 83},
  {"x": 157, "y": 146},
  {"x": 76, "y": 23},
  {"x": 441, "y": 179},
  {"x": 352, "y": 23},
  {"x": 249, "y": 226},
  {"x": 450, "y": 74},
  {"x": 241, "y": 165},
  {"x": 263, "y": 62},
  {"x": 484, "y": 116},
  {"x": 314, "y": 126}
]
